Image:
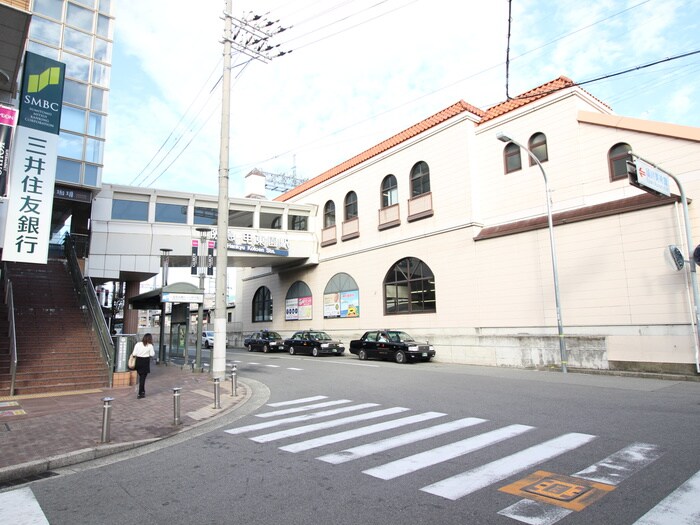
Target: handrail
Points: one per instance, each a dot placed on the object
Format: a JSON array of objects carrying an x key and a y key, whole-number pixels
[
  {"x": 88, "y": 298},
  {"x": 10, "y": 302}
]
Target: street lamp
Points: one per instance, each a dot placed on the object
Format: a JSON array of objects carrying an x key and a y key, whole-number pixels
[
  {"x": 562, "y": 343},
  {"x": 200, "y": 311}
]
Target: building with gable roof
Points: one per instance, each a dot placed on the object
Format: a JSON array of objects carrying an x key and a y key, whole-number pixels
[{"x": 441, "y": 230}]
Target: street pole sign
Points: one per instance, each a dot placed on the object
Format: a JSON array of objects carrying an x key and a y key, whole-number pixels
[{"x": 649, "y": 178}]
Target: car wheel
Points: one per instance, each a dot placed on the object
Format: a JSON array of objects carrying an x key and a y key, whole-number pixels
[
  {"x": 250, "y": 348},
  {"x": 314, "y": 352},
  {"x": 266, "y": 348},
  {"x": 400, "y": 357},
  {"x": 291, "y": 350},
  {"x": 362, "y": 355}
]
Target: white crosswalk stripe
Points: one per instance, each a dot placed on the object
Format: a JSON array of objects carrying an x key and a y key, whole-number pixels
[
  {"x": 297, "y": 401},
  {"x": 306, "y": 408},
  {"x": 362, "y": 431},
  {"x": 296, "y": 431},
  {"x": 438, "y": 455},
  {"x": 681, "y": 507},
  {"x": 463, "y": 484}
]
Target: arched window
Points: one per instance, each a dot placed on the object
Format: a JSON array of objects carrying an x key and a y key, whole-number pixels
[
  {"x": 618, "y": 156},
  {"x": 409, "y": 288},
  {"x": 390, "y": 191},
  {"x": 511, "y": 158},
  {"x": 341, "y": 298},
  {"x": 350, "y": 205},
  {"x": 420, "y": 179},
  {"x": 538, "y": 145},
  {"x": 262, "y": 305},
  {"x": 299, "y": 302},
  {"x": 329, "y": 214}
]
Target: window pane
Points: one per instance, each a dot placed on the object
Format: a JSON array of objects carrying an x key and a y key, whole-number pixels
[
  {"x": 96, "y": 125},
  {"x": 171, "y": 213},
  {"x": 75, "y": 93},
  {"x": 45, "y": 31},
  {"x": 511, "y": 155},
  {"x": 420, "y": 179},
  {"x": 98, "y": 99},
  {"x": 350, "y": 206},
  {"x": 41, "y": 49},
  {"x": 104, "y": 27},
  {"x": 70, "y": 146},
  {"x": 206, "y": 216},
  {"x": 77, "y": 41},
  {"x": 76, "y": 67},
  {"x": 298, "y": 222},
  {"x": 129, "y": 210},
  {"x": 240, "y": 219},
  {"x": 52, "y": 8},
  {"x": 79, "y": 17},
  {"x": 68, "y": 171},
  {"x": 100, "y": 74},
  {"x": 106, "y": 6},
  {"x": 91, "y": 175},
  {"x": 94, "y": 150},
  {"x": 390, "y": 193},
  {"x": 73, "y": 119},
  {"x": 87, "y": 3},
  {"x": 409, "y": 287},
  {"x": 271, "y": 220},
  {"x": 103, "y": 50}
]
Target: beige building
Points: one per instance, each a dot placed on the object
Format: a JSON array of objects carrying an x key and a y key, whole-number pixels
[{"x": 441, "y": 230}]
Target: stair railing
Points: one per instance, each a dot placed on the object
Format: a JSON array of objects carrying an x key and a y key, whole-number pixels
[
  {"x": 10, "y": 302},
  {"x": 88, "y": 299}
]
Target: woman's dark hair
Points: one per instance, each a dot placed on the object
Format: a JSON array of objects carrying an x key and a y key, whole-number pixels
[{"x": 147, "y": 339}]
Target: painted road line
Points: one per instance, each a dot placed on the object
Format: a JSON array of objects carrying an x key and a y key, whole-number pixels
[
  {"x": 463, "y": 484},
  {"x": 295, "y": 410},
  {"x": 298, "y": 419},
  {"x": 358, "y": 432},
  {"x": 273, "y": 366},
  {"x": 681, "y": 507},
  {"x": 621, "y": 465},
  {"x": 21, "y": 507},
  {"x": 612, "y": 470},
  {"x": 434, "y": 456},
  {"x": 297, "y": 431},
  {"x": 297, "y": 401},
  {"x": 362, "y": 451},
  {"x": 296, "y": 369}
]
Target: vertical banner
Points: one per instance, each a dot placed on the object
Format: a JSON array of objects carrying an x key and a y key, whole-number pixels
[
  {"x": 34, "y": 159},
  {"x": 8, "y": 119},
  {"x": 194, "y": 263},
  {"x": 210, "y": 257}
]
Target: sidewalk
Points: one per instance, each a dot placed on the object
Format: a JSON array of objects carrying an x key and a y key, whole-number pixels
[{"x": 41, "y": 432}]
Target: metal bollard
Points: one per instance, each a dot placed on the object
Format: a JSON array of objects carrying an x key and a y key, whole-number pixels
[
  {"x": 234, "y": 381},
  {"x": 217, "y": 392},
  {"x": 106, "y": 415},
  {"x": 176, "y": 405}
]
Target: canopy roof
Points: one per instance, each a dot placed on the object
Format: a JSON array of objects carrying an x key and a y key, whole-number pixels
[{"x": 172, "y": 293}]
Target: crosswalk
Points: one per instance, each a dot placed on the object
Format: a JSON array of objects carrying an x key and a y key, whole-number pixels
[{"x": 319, "y": 418}]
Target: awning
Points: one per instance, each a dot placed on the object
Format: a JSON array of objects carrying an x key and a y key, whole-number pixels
[{"x": 172, "y": 293}]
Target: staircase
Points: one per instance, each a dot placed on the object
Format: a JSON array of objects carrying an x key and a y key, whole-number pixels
[{"x": 57, "y": 350}]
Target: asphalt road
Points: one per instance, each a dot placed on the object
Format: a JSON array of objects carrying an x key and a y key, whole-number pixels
[{"x": 333, "y": 440}]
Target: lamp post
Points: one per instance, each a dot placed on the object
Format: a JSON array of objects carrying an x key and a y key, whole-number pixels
[
  {"x": 200, "y": 311},
  {"x": 165, "y": 263},
  {"x": 560, "y": 328}
]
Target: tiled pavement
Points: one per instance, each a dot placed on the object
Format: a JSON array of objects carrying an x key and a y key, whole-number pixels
[{"x": 40, "y": 432}]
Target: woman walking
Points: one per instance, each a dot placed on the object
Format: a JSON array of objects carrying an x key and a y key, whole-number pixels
[{"x": 143, "y": 351}]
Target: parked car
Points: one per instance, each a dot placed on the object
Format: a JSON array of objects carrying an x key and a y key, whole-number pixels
[
  {"x": 313, "y": 342},
  {"x": 264, "y": 340},
  {"x": 208, "y": 339},
  {"x": 391, "y": 344}
]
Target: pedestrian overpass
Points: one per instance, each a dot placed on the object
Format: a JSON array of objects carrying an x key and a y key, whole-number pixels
[{"x": 131, "y": 226}]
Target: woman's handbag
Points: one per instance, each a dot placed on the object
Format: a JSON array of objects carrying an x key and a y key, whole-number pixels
[{"x": 132, "y": 361}]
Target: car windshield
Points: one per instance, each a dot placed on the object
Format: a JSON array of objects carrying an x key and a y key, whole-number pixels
[
  {"x": 399, "y": 337},
  {"x": 319, "y": 336},
  {"x": 272, "y": 335},
  {"x": 208, "y": 334}
]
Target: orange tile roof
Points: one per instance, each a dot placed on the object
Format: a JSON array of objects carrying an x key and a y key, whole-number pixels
[
  {"x": 416, "y": 129},
  {"x": 493, "y": 112}
]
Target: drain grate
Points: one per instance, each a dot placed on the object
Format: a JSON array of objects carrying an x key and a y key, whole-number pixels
[{"x": 27, "y": 479}]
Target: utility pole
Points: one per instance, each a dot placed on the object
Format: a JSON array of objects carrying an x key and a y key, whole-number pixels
[{"x": 251, "y": 39}]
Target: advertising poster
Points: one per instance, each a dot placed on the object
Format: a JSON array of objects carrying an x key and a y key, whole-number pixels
[
  {"x": 291, "y": 310},
  {"x": 331, "y": 305},
  {"x": 350, "y": 304},
  {"x": 8, "y": 119},
  {"x": 305, "y": 308}
]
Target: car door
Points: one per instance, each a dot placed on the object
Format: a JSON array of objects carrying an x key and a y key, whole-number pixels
[
  {"x": 384, "y": 347},
  {"x": 370, "y": 344},
  {"x": 298, "y": 342}
]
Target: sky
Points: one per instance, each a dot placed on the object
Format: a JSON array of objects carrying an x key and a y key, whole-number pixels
[{"x": 356, "y": 72}]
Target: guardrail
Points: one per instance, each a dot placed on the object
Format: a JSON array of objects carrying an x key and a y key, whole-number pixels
[{"x": 88, "y": 298}]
